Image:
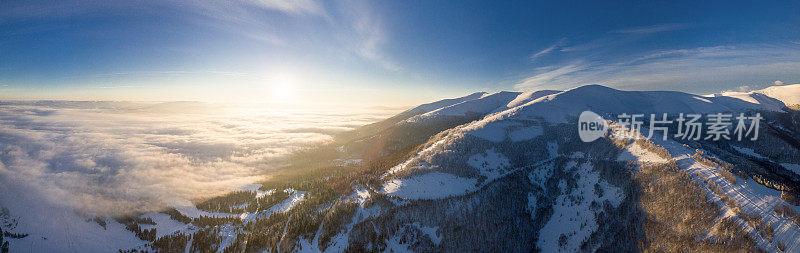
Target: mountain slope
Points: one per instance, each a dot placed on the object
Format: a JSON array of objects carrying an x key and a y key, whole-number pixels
[
  {"x": 488, "y": 103},
  {"x": 466, "y": 159},
  {"x": 507, "y": 172},
  {"x": 787, "y": 94},
  {"x": 527, "y": 121}
]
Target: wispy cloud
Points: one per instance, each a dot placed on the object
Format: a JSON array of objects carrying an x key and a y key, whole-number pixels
[
  {"x": 248, "y": 17},
  {"x": 298, "y": 7},
  {"x": 351, "y": 26},
  {"x": 652, "y": 29},
  {"x": 172, "y": 73},
  {"x": 21, "y": 11},
  {"x": 223, "y": 10},
  {"x": 618, "y": 38},
  {"x": 707, "y": 52},
  {"x": 367, "y": 33},
  {"x": 548, "y": 49},
  {"x": 591, "y": 45},
  {"x": 549, "y": 76},
  {"x": 355, "y": 21},
  {"x": 706, "y": 68}
]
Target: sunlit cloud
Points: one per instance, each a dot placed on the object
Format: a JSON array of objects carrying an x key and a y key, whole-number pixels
[
  {"x": 743, "y": 88},
  {"x": 115, "y": 157}
]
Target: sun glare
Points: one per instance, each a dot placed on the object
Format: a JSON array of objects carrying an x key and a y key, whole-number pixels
[{"x": 282, "y": 86}]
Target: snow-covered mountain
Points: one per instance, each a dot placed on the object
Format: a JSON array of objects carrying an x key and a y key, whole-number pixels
[
  {"x": 507, "y": 172},
  {"x": 482, "y": 105},
  {"x": 787, "y": 94},
  {"x": 468, "y": 159}
]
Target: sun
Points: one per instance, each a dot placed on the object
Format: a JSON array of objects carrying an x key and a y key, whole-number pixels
[
  {"x": 282, "y": 90},
  {"x": 282, "y": 86}
]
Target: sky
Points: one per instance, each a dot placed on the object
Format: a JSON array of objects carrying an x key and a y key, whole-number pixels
[{"x": 389, "y": 53}]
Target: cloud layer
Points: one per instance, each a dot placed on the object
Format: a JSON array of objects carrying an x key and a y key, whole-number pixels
[{"x": 108, "y": 158}]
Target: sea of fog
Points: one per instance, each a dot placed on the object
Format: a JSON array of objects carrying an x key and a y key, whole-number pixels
[{"x": 106, "y": 158}]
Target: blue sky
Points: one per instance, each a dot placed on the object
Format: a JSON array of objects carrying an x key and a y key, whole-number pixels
[{"x": 387, "y": 52}]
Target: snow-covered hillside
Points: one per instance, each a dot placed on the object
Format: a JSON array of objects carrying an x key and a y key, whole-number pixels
[
  {"x": 505, "y": 172},
  {"x": 526, "y": 121},
  {"x": 787, "y": 94},
  {"x": 487, "y": 103},
  {"x": 464, "y": 159}
]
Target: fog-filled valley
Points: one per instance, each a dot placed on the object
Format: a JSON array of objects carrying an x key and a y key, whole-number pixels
[
  {"x": 502, "y": 171},
  {"x": 63, "y": 161}
]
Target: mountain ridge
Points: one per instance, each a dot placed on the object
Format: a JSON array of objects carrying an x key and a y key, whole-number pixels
[{"x": 506, "y": 171}]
